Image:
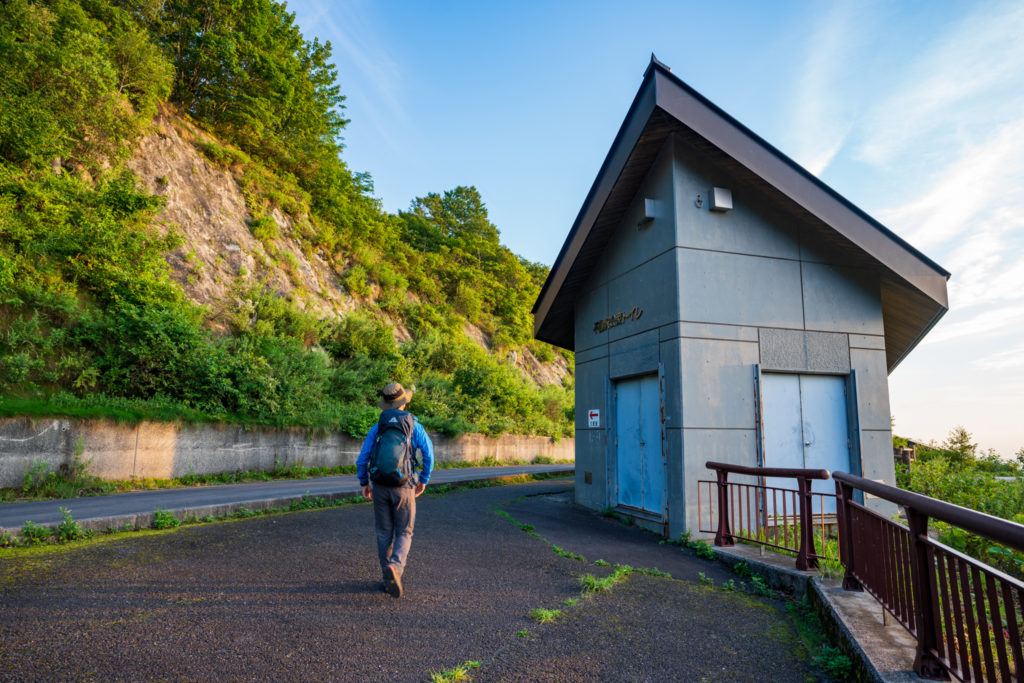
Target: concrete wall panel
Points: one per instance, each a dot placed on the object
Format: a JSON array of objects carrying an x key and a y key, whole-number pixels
[
  {"x": 827, "y": 353},
  {"x": 841, "y": 299},
  {"x": 593, "y": 353},
  {"x": 675, "y": 482},
  {"x": 739, "y": 290},
  {"x": 636, "y": 355},
  {"x": 726, "y": 332},
  {"x": 718, "y": 384},
  {"x": 876, "y": 450},
  {"x": 809, "y": 352},
  {"x": 591, "y": 390},
  {"x": 650, "y": 291},
  {"x": 590, "y": 308},
  {"x": 591, "y": 457},
  {"x": 865, "y": 341},
  {"x": 672, "y": 360},
  {"x": 733, "y": 446},
  {"x": 631, "y": 245},
  {"x": 872, "y": 389},
  {"x": 741, "y": 230}
]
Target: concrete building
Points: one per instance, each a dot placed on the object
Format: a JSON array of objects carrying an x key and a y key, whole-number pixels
[{"x": 724, "y": 304}]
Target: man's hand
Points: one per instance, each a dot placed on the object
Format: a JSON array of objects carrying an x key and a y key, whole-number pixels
[
  {"x": 367, "y": 492},
  {"x": 420, "y": 488}
]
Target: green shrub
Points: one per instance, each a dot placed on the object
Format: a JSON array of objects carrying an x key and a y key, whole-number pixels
[
  {"x": 33, "y": 534},
  {"x": 264, "y": 228},
  {"x": 68, "y": 529},
  {"x": 162, "y": 519}
]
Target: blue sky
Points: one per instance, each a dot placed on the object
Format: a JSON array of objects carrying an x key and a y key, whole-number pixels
[{"x": 912, "y": 110}]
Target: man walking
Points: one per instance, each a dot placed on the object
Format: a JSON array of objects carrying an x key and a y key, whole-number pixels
[{"x": 387, "y": 458}]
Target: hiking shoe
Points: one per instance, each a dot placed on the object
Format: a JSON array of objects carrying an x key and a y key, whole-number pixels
[{"x": 392, "y": 583}]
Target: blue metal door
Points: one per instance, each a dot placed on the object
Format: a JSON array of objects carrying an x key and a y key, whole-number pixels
[
  {"x": 805, "y": 425},
  {"x": 639, "y": 464}
]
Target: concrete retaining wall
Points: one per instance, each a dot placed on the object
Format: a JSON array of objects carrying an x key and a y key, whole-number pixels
[{"x": 163, "y": 451}]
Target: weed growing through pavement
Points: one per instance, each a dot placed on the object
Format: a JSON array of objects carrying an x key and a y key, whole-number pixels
[
  {"x": 704, "y": 579},
  {"x": 33, "y": 534},
  {"x": 543, "y": 616},
  {"x": 566, "y": 554},
  {"x": 652, "y": 571},
  {"x": 701, "y": 547},
  {"x": 456, "y": 673},
  {"x": 68, "y": 529},
  {"x": 808, "y": 625},
  {"x": 593, "y": 584},
  {"x": 602, "y": 563},
  {"x": 761, "y": 587},
  {"x": 162, "y": 519},
  {"x": 523, "y": 633},
  {"x": 570, "y": 602}
]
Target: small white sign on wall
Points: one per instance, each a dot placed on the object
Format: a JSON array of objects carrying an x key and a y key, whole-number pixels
[{"x": 593, "y": 417}]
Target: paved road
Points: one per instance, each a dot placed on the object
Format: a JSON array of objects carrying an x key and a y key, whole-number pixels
[
  {"x": 137, "y": 507},
  {"x": 297, "y": 597}
]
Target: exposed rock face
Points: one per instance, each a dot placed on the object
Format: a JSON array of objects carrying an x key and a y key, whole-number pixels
[
  {"x": 220, "y": 253},
  {"x": 205, "y": 205}
]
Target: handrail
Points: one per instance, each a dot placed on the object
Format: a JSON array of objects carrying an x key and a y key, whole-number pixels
[
  {"x": 792, "y": 472},
  {"x": 965, "y": 615},
  {"x": 992, "y": 528},
  {"x": 805, "y": 557}
]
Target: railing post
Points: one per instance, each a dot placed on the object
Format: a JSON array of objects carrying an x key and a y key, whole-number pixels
[
  {"x": 805, "y": 559},
  {"x": 723, "y": 537},
  {"x": 844, "y": 494},
  {"x": 926, "y": 664}
]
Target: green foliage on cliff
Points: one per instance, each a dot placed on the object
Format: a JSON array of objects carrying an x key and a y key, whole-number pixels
[{"x": 90, "y": 318}]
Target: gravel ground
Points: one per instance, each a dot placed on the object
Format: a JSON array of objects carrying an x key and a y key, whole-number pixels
[{"x": 297, "y": 597}]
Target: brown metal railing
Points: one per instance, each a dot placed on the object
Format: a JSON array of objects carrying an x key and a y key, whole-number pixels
[
  {"x": 967, "y": 617},
  {"x": 772, "y": 516}
]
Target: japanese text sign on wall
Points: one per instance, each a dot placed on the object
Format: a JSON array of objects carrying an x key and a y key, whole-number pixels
[
  {"x": 593, "y": 417},
  {"x": 615, "y": 320}
]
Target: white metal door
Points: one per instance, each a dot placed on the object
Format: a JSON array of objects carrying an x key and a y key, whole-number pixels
[
  {"x": 805, "y": 425},
  {"x": 639, "y": 466}
]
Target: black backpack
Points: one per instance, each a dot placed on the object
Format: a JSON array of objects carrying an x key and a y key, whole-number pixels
[{"x": 391, "y": 457}]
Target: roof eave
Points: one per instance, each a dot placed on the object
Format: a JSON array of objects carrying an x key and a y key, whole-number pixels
[{"x": 662, "y": 90}]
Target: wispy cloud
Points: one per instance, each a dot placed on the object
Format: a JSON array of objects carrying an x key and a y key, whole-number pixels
[
  {"x": 975, "y": 183},
  {"x": 1003, "y": 360},
  {"x": 377, "y": 79},
  {"x": 983, "y": 324},
  {"x": 953, "y": 132},
  {"x": 820, "y": 127},
  {"x": 981, "y": 56}
]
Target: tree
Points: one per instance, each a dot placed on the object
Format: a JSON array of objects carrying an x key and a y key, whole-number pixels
[
  {"x": 76, "y": 86},
  {"x": 244, "y": 67},
  {"x": 959, "y": 446}
]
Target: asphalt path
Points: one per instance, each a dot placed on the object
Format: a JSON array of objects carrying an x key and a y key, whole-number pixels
[
  {"x": 297, "y": 597},
  {"x": 137, "y": 507}
]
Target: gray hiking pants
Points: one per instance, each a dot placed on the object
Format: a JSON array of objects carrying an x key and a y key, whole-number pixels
[{"x": 394, "y": 514}]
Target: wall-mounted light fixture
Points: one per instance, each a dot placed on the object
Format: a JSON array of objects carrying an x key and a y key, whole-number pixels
[
  {"x": 650, "y": 212},
  {"x": 720, "y": 199}
]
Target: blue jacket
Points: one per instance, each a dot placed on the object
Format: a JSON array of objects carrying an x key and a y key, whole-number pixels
[{"x": 420, "y": 442}]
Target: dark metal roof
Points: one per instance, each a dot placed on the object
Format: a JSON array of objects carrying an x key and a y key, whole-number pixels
[{"x": 913, "y": 288}]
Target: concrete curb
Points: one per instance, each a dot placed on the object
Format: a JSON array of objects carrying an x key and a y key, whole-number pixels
[
  {"x": 881, "y": 652},
  {"x": 143, "y": 520}
]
